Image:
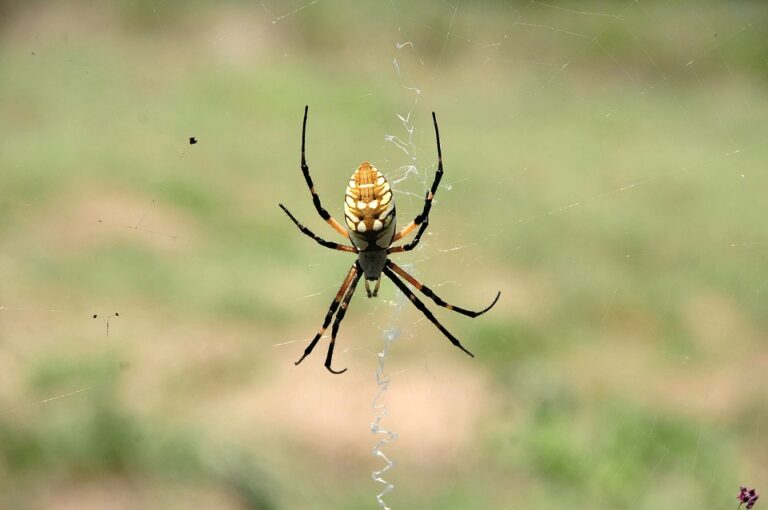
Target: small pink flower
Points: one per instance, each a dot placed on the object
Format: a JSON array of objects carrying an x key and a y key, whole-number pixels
[{"x": 748, "y": 496}]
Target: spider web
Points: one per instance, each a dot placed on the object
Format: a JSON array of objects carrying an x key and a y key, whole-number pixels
[{"x": 604, "y": 168}]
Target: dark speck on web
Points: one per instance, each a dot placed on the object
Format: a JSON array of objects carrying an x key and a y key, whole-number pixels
[{"x": 192, "y": 140}]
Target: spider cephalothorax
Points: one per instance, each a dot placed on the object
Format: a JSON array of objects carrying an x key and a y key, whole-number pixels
[{"x": 369, "y": 212}]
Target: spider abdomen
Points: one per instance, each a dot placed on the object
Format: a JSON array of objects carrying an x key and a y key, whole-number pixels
[{"x": 369, "y": 209}]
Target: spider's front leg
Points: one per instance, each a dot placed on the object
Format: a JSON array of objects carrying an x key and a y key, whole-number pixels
[
  {"x": 340, "y": 303},
  {"x": 423, "y": 309},
  {"x": 437, "y": 299},
  {"x": 337, "y": 322}
]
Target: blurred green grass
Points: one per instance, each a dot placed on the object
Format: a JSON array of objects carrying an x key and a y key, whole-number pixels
[{"x": 618, "y": 202}]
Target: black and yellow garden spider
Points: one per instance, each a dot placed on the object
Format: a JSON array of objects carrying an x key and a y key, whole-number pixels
[{"x": 369, "y": 212}]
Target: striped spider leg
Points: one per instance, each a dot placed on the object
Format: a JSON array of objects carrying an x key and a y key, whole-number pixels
[
  {"x": 320, "y": 240},
  {"x": 315, "y": 198},
  {"x": 391, "y": 268},
  {"x": 340, "y": 317},
  {"x": 434, "y": 297},
  {"x": 422, "y": 220},
  {"x": 345, "y": 292}
]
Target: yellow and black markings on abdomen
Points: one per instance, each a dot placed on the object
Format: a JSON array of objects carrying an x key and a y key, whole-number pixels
[{"x": 369, "y": 208}]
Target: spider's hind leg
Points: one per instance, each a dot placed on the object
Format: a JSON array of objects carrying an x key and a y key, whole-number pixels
[
  {"x": 422, "y": 220},
  {"x": 308, "y": 179}
]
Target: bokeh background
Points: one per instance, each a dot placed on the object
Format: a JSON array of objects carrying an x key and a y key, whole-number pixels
[{"x": 605, "y": 169}]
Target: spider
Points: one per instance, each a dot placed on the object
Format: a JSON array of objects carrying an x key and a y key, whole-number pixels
[{"x": 369, "y": 212}]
